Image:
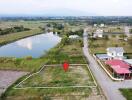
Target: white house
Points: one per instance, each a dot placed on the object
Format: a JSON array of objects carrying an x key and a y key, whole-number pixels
[
  {"x": 98, "y": 33},
  {"x": 73, "y": 36},
  {"x": 102, "y": 25},
  {"x": 95, "y": 25},
  {"x": 115, "y": 52}
]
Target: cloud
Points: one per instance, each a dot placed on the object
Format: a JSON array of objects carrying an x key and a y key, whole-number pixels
[{"x": 27, "y": 43}]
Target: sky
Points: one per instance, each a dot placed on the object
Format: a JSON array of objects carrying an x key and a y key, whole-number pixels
[{"x": 66, "y": 7}]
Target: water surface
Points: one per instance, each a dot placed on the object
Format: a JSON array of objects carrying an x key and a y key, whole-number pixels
[{"x": 34, "y": 46}]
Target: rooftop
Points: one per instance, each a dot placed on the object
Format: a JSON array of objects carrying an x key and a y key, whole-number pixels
[
  {"x": 116, "y": 49},
  {"x": 129, "y": 61},
  {"x": 102, "y": 56},
  {"x": 119, "y": 63},
  {"x": 121, "y": 70}
]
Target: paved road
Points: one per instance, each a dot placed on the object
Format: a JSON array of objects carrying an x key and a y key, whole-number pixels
[{"x": 109, "y": 87}]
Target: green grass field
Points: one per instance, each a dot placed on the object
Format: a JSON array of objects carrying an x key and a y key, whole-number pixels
[
  {"x": 127, "y": 93},
  {"x": 55, "y": 76}
]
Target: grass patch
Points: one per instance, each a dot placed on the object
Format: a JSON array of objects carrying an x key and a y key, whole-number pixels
[
  {"x": 127, "y": 93},
  {"x": 20, "y": 64},
  {"x": 54, "y": 76}
]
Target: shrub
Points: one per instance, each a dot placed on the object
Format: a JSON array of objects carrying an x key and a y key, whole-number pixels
[
  {"x": 28, "y": 57},
  {"x": 46, "y": 98}
]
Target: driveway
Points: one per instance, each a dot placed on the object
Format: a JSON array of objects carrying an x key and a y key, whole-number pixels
[
  {"x": 109, "y": 87},
  {"x": 7, "y": 78}
]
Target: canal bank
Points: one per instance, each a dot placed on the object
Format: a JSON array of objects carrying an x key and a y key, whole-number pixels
[{"x": 9, "y": 38}]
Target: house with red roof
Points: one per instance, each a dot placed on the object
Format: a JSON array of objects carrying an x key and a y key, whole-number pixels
[{"x": 119, "y": 68}]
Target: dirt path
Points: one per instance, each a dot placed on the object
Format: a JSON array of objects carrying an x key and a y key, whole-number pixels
[{"x": 7, "y": 78}]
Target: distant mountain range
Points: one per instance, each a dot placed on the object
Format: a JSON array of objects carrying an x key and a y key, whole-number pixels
[{"x": 67, "y": 12}]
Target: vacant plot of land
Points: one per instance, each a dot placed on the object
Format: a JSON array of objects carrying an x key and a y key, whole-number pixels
[
  {"x": 53, "y": 83},
  {"x": 7, "y": 78},
  {"x": 55, "y": 77}
]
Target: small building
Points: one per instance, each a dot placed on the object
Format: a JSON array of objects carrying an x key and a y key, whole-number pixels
[
  {"x": 119, "y": 69},
  {"x": 73, "y": 36},
  {"x": 98, "y": 33},
  {"x": 115, "y": 52},
  {"x": 102, "y": 25},
  {"x": 95, "y": 25}
]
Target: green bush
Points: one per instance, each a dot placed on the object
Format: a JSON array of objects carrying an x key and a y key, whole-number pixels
[
  {"x": 28, "y": 58},
  {"x": 46, "y": 98}
]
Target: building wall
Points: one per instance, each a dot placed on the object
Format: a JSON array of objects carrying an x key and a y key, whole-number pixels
[{"x": 115, "y": 55}]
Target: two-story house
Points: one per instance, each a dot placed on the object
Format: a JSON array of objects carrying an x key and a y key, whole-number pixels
[{"x": 115, "y": 52}]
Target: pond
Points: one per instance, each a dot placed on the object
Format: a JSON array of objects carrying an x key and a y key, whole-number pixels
[{"x": 34, "y": 46}]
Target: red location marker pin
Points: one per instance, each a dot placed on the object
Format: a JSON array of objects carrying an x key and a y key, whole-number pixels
[{"x": 65, "y": 66}]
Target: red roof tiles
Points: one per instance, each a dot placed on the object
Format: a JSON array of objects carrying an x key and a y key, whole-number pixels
[
  {"x": 119, "y": 63},
  {"x": 119, "y": 66}
]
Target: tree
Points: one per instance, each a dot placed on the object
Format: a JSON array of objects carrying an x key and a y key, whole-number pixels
[
  {"x": 123, "y": 36},
  {"x": 106, "y": 37},
  {"x": 130, "y": 30},
  {"x": 48, "y": 25},
  {"x": 65, "y": 40}
]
